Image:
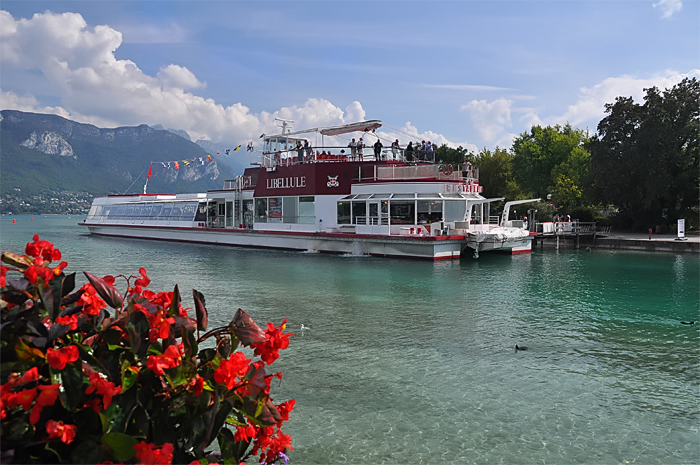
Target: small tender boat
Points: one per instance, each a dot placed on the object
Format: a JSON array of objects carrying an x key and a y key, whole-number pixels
[{"x": 337, "y": 199}]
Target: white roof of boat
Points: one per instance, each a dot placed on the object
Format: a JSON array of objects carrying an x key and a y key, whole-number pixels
[{"x": 364, "y": 126}]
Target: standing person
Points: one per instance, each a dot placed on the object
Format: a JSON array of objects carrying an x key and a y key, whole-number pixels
[
  {"x": 300, "y": 152},
  {"x": 409, "y": 152},
  {"x": 378, "y": 149},
  {"x": 429, "y": 152},
  {"x": 307, "y": 149},
  {"x": 395, "y": 149},
  {"x": 353, "y": 149},
  {"x": 361, "y": 149}
]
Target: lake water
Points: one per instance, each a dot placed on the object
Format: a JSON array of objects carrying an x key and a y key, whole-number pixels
[{"x": 413, "y": 362}]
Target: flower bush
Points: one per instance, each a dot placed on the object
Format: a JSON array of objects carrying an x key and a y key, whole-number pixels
[{"x": 94, "y": 376}]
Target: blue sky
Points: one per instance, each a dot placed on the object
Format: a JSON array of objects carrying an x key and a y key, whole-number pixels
[{"x": 470, "y": 73}]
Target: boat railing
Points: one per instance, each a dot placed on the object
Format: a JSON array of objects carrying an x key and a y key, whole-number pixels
[
  {"x": 372, "y": 220},
  {"x": 445, "y": 172}
]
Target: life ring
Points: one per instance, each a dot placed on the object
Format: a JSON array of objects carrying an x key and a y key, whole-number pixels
[{"x": 448, "y": 170}]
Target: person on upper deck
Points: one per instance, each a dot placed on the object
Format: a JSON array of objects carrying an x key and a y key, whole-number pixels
[
  {"x": 395, "y": 149},
  {"x": 353, "y": 149},
  {"x": 300, "y": 152},
  {"x": 430, "y": 152},
  {"x": 378, "y": 149},
  {"x": 360, "y": 149},
  {"x": 409, "y": 152}
]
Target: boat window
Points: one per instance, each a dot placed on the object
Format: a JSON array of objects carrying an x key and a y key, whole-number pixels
[
  {"x": 129, "y": 212},
  {"x": 274, "y": 210},
  {"x": 94, "y": 211},
  {"x": 451, "y": 196},
  {"x": 455, "y": 210},
  {"x": 107, "y": 211},
  {"x": 146, "y": 210},
  {"x": 402, "y": 196},
  {"x": 229, "y": 214},
  {"x": 380, "y": 196},
  {"x": 188, "y": 211},
  {"x": 248, "y": 213},
  {"x": 155, "y": 211},
  {"x": 343, "y": 212},
  {"x": 222, "y": 209},
  {"x": 261, "y": 210},
  {"x": 176, "y": 212},
  {"x": 402, "y": 212},
  {"x": 359, "y": 209},
  {"x": 307, "y": 210},
  {"x": 165, "y": 212},
  {"x": 362, "y": 196},
  {"x": 429, "y": 211},
  {"x": 120, "y": 211},
  {"x": 136, "y": 213},
  {"x": 201, "y": 214},
  {"x": 349, "y": 197},
  {"x": 289, "y": 209},
  {"x": 428, "y": 196}
]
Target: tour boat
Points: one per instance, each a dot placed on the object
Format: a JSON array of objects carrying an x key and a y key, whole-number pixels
[{"x": 327, "y": 199}]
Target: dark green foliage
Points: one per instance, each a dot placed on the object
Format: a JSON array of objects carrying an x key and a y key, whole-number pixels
[{"x": 644, "y": 159}]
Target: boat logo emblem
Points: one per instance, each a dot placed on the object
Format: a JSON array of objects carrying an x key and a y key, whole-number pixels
[{"x": 333, "y": 181}]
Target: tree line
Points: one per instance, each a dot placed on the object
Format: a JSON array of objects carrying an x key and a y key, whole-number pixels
[{"x": 641, "y": 165}]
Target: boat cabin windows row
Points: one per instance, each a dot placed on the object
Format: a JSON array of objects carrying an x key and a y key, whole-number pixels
[
  {"x": 165, "y": 211},
  {"x": 293, "y": 210},
  {"x": 366, "y": 209}
]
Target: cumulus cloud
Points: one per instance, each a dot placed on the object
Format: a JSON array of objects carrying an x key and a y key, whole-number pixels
[
  {"x": 490, "y": 119},
  {"x": 98, "y": 88},
  {"x": 668, "y": 7},
  {"x": 590, "y": 106}
]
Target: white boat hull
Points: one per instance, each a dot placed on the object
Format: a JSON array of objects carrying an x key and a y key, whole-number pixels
[{"x": 427, "y": 247}]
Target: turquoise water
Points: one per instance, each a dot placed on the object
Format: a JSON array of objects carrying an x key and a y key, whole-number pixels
[{"x": 413, "y": 362}]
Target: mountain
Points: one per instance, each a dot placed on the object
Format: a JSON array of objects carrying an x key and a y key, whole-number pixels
[{"x": 42, "y": 153}]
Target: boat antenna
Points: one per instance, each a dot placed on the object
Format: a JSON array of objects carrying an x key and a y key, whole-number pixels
[
  {"x": 285, "y": 122},
  {"x": 137, "y": 178}
]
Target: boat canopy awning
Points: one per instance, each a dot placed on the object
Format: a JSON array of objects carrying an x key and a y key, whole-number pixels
[{"x": 364, "y": 126}]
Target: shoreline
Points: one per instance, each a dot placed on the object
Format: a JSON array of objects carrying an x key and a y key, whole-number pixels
[{"x": 626, "y": 241}]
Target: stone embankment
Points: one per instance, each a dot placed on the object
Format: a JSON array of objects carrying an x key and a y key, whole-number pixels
[{"x": 628, "y": 241}]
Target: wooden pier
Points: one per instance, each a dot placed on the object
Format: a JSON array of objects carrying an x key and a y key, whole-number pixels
[{"x": 564, "y": 234}]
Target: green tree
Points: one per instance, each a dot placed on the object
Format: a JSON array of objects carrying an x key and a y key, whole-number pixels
[
  {"x": 496, "y": 173},
  {"x": 445, "y": 154},
  {"x": 644, "y": 158},
  {"x": 545, "y": 156}
]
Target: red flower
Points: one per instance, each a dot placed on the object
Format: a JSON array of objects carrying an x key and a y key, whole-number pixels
[
  {"x": 169, "y": 359},
  {"x": 286, "y": 407},
  {"x": 71, "y": 321},
  {"x": 141, "y": 282},
  {"x": 235, "y": 366},
  {"x": 148, "y": 454},
  {"x": 43, "y": 249},
  {"x": 3, "y": 272},
  {"x": 243, "y": 433},
  {"x": 103, "y": 388},
  {"x": 275, "y": 340},
  {"x": 57, "y": 430},
  {"x": 59, "y": 358},
  {"x": 48, "y": 393},
  {"x": 92, "y": 303},
  {"x": 198, "y": 386}
]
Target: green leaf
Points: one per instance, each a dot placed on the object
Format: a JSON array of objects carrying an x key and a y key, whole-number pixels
[
  {"x": 87, "y": 452},
  {"x": 26, "y": 353},
  {"x": 20, "y": 261},
  {"x": 190, "y": 343},
  {"x": 231, "y": 452},
  {"x": 175, "y": 304},
  {"x": 129, "y": 376},
  {"x": 108, "y": 292},
  {"x": 121, "y": 446},
  {"x": 72, "y": 381}
]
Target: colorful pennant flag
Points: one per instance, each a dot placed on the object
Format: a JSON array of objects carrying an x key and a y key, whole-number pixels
[
  {"x": 209, "y": 157},
  {"x": 150, "y": 172},
  {"x": 201, "y": 160},
  {"x": 186, "y": 162},
  {"x": 177, "y": 165},
  {"x": 227, "y": 151},
  {"x": 237, "y": 148}
]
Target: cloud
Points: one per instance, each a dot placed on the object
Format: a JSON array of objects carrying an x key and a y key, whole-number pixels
[
  {"x": 590, "y": 106},
  {"x": 490, "y": 119},
  {"x": 97, "y": 88},
  {"x": 669, "y": 7}
]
